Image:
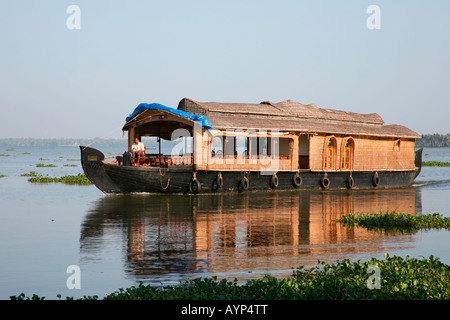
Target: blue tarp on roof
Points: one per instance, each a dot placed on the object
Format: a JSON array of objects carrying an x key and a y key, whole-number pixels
[{"x": 156, "y": 106}]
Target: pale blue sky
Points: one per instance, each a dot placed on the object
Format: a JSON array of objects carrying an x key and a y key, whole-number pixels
[{"x": 56, "y": 82}]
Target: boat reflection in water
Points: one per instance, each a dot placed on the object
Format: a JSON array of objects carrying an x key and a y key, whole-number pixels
[{"x": 171, "y": 237}]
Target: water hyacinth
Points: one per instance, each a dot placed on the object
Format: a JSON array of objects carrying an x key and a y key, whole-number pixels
[
  {"x": 435, "y": 164},
  {"x": 402, "y": 222},
  {"x": 41, "y": 165},
  {"x": 400, "y": 278},
  {"x": 79, "y": 179}
]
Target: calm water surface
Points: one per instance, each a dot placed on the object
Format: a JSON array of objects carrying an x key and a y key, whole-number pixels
[{"x": 120, "y": 240}]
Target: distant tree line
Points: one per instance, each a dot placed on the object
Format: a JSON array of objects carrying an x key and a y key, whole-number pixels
[
  {"x": 434, "y": 140},
  {"x": 32, "y": 142}
]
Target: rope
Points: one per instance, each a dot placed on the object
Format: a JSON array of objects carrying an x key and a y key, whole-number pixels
[
  {"x": 160, "y": 181},
  {"x": 244, "y": 174}
]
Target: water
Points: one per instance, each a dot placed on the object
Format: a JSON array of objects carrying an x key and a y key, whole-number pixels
[{"x": 120, "y": 240}]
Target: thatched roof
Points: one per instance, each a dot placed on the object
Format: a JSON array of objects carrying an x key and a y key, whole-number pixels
[{"x": 293, "y": 116}]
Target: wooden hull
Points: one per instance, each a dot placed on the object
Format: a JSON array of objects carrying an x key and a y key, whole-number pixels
[{"x": 111, "y": 178}]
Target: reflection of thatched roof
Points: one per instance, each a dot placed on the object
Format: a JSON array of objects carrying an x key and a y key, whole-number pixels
[{"x": 293, "y": 116}]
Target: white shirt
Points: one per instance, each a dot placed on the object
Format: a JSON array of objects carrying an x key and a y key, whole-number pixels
[{"x": 137, "y": 147}]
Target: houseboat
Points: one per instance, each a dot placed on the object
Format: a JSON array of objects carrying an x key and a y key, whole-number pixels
[{"x": 203, "y": 147}]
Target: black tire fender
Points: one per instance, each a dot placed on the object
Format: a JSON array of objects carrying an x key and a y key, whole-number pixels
[
  {"x": 244, "y": 184},
  {"x": 219, "y": 181},
  {"x": 350, "y": 182},
  {"x": 325, "y": 182},
  {"x": 375, "y": 179},
  {"x": 296, "y": 180},
  {"x": 194, "y": 186},
  {"x": 274, "y": 181}
]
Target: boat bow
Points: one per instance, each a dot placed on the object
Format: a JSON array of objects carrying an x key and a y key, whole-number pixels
[{"x": 94, "y": 169}]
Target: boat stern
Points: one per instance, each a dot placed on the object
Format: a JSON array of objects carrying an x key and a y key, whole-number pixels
[{"x": 418, "y": 161}]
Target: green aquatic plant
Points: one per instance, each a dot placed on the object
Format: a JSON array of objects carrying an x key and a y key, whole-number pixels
[
  {"x": 22, "y": 296},
  {"x": 41, "y": 165},
  {"x": 395, "y": 221},
  {"x": 399, "y": 278},
  {"x": 79, "y": 179},
  {"x": 435, "y": 164},
  {"x": 3, "y": 175},
  {"x": 30, "y": 174}
]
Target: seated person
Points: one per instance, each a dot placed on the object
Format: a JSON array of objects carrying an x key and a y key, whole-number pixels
[{"x": 137, "y": 148}]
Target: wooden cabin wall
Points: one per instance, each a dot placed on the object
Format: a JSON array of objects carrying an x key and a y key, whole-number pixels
[
  {"x": 200, "y": 140},
  {"x": 204, "y": 160},
  {"x": 316, "y": 152},
  {"x": 369, "y": 153}
]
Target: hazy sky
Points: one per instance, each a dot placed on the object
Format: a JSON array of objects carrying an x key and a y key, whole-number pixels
[{"x": 82, "y": 83}]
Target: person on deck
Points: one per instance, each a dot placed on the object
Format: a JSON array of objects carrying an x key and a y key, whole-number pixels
[{"x": 137, "y": 148}]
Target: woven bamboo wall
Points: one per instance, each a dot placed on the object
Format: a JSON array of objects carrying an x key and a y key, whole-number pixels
[{"x": 370, "y": 153}]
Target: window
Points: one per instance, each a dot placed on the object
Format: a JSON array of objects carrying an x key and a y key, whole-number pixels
[
  {"x": 347, "y": 153},
  {"x": 284, "y": 146},
  {"x": 217, "y": 147},
  {"x": 241, "y": 146},
  {"x": 330, "y": 151},
  {"x": 230, "y": 142},
  {"x": 330, "y": 155},
  {"x": 397, "y": 145}
]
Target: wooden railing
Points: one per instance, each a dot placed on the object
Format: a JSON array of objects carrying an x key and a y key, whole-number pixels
[
  {"x": 252, "y": 157},
  {"x": 252, "y": 162},
  {"x": 229, "y": 161},
  {"x": 162, "y": 161}
]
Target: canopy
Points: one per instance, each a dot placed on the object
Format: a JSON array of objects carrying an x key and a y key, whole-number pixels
[{"x": 156, "y": 106}]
